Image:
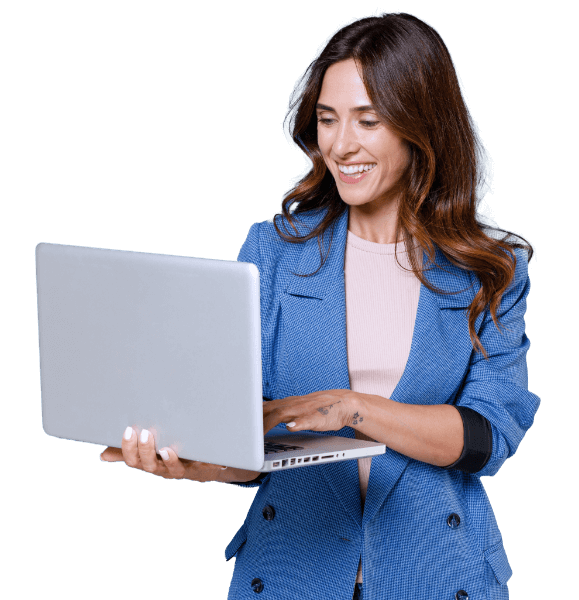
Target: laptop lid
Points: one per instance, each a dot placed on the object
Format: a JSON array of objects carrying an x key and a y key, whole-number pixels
[{"x": 171, "y": 344}]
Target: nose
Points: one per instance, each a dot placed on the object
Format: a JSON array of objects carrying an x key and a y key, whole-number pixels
[{"x": 345, "y": 142}]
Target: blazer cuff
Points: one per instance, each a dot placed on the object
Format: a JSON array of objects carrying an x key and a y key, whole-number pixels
[
  {"x": 257, "y": 481},
  {"x": 478, "y": 442}
]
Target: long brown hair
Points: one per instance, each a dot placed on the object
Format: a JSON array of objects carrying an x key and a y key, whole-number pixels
[{"x": 411, "y": 81}]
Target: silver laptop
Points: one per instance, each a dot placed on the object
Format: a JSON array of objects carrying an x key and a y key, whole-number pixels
[{"x": 171, "y": 344}]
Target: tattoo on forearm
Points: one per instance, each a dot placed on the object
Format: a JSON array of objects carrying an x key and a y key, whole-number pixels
[{"x": 357, "y": 418}]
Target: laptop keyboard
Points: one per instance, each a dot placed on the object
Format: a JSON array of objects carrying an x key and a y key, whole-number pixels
[{"x": 271, "y": 448}]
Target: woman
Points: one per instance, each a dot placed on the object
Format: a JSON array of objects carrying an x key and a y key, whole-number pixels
[{"x": 409, "y": 331}]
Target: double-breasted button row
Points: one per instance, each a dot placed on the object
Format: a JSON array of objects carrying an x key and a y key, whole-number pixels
[
  {"x": 257, "y": 587},
  {"x": 453, "y": 521},
  {"x": 268, "y": 513}
]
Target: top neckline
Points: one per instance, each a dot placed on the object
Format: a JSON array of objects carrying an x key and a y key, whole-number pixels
[{"x": 367, "y": 246}]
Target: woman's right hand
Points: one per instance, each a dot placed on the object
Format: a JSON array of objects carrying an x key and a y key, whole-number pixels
[{"x": 139, "y": 452}]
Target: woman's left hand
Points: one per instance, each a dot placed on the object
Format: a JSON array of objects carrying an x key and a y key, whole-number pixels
[{"x": 320, "y": 411}]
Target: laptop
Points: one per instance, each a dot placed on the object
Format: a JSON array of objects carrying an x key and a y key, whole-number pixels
[{"x": 171, "y": 344}]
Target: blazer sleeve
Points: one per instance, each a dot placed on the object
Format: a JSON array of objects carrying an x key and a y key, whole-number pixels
[
  {"x": 497, "y": 388},
  {"x": 478, "y": 442},
  {"x": 250, "y": 253}
]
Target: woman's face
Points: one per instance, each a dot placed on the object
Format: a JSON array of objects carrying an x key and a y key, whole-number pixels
[{"x": 352, "y": 138}]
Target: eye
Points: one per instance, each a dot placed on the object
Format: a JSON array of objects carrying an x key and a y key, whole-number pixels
[{"x": 369, "y": 124}]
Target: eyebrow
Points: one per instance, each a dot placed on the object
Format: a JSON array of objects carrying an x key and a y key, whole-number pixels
[{"x": 366, "y": 108}]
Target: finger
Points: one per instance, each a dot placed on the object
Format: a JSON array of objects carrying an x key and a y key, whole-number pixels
[
  {"x": 112, "y": 455},
  {"x": 270, "y": 421},
  {"x": 130, "y": 449},
  {"x": 272, "y": 406},
  {"x": 286, "y": 415},
  {"x": 175, "y": 468},
  {"x": 147, "y": 453}
]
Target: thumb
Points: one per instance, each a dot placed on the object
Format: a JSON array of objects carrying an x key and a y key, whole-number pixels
[{"x": 112, "y": 455}]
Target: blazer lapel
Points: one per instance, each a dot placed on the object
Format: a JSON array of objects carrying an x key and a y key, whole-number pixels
[{"x": 314, "y": 311}]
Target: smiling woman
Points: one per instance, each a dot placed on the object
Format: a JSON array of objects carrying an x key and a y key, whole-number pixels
[{"x": 410, "y": 332}]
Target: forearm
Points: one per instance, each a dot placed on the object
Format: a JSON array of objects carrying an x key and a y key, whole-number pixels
[{"x": 433, "y": 434}]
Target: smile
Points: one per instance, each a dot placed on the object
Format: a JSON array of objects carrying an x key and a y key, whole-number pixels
[
  {"x": 350, "y": 170},
  {"x": 355, "y": 173}
]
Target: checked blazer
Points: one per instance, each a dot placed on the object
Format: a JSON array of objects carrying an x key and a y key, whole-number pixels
[{"x": 305, "y": 531}]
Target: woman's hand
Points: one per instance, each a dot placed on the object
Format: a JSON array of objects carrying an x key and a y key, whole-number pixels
[
  {"x": 320, "y": 411},
  {"x": 141, "y": 455}
]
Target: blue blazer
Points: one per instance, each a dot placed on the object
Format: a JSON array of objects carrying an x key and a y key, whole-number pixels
[{"x": 305, "y": 531}]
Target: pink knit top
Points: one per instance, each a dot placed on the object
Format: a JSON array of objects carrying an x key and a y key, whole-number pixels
[{"x": 381, "y": 304}]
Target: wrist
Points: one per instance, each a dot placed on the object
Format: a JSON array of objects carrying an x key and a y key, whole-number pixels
[{"x": 356, "y": 409}]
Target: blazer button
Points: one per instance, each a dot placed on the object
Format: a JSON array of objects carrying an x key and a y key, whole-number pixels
[
  {"x": 257, "y": 585},
  {"x": 268, "y": 512},
  {"x": 453, "y": 521},
  {"x": 461, "y": 595}
]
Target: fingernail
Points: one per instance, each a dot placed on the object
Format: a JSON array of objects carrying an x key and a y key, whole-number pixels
[
  {"x": 101, "y": 457},
  {"x": 164, "y": 454},
  {"x": 128, "y": 433},
  {"x": 292, "y": 424},
  {"x": 223, "y": 468},
  {"x": 144, "y": 436}
]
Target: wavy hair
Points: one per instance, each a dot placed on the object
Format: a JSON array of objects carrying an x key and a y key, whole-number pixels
[{"x": 410, "y": 79}]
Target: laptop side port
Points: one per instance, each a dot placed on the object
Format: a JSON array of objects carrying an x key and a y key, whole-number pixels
[
  {"x": 299, "y": 460},
  {"x": 307, "y": 459},
  {"x": 292, "y": 461},
  {"x": 276, "y": 463},
  {"x": 315, "y": 458},
  {"x": 284, "y": 462},
  {"x": 328, "y": 456}
]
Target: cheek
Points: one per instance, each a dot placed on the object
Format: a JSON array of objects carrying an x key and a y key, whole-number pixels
[
  {"x": 324, "y": 142},
  {"x": 404, "y": 159}
]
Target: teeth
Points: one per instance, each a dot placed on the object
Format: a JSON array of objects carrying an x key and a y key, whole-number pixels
[{"x": 356, "y": 168}]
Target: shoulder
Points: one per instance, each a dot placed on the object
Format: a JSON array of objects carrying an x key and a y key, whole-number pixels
[{"x": 272, "y": 245}]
